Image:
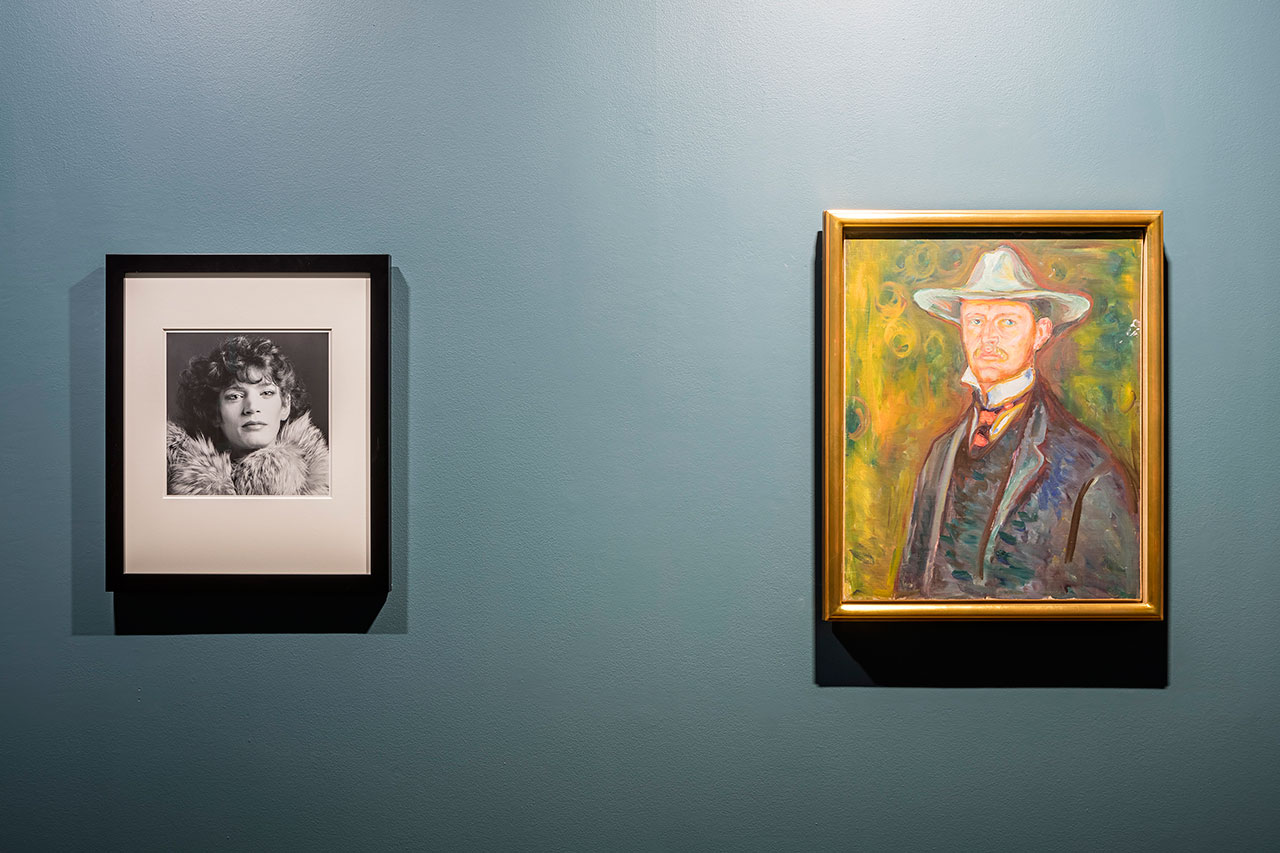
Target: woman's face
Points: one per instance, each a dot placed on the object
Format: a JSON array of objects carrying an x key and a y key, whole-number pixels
[{"x": 250, "y": 414}]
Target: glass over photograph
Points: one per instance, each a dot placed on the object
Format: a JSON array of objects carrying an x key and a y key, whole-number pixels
[
  {"x": 247, "y": 413},
  {"x": 251, "y": 448}
]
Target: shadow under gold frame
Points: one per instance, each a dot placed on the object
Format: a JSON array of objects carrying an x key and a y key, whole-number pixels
[{"x": 921, "y": 223}]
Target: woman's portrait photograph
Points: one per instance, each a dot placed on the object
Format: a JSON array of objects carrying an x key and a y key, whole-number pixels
[
  {"x": 250, "y": 449},
  {"x": 247, "y": 413}
]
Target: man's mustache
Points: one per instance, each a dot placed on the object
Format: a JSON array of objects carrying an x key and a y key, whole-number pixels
[{"x": 990, "y": 352}]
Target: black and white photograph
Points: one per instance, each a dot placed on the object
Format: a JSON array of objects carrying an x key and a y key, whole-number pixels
[
  {"x": 248, "y": 413},
  {"x": 250, "y": 446}
]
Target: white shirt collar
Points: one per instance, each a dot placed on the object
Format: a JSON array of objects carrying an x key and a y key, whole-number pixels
[{"x": 1001, "y": 392}]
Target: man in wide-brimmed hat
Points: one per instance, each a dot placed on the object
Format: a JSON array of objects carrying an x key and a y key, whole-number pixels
[{"x": 1017, "y": 499}]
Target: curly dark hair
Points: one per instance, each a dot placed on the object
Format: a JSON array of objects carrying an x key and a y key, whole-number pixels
[{"x": 236, "y": 359}]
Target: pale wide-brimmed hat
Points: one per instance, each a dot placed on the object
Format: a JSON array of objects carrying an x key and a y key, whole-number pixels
[{"x": 1002, "y": 274}]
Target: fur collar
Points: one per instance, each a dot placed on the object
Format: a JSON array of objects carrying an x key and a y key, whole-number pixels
[{"x": 296, "y": 463}]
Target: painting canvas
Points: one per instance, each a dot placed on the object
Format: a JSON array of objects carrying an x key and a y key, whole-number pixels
[{"x": 996, "y": 395}]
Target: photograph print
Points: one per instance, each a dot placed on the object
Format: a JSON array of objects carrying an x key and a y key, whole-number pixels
[
  {"x": 247, "y": 413},
  {"x": 998, "y": 397}
]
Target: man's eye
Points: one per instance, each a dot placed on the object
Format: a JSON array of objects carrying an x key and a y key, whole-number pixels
[
  {"x": 975, "y": 322},
  {"x": 1006, "y": 322}
]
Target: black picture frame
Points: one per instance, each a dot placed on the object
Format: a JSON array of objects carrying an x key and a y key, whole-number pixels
[{"x": 293, "y": 273}]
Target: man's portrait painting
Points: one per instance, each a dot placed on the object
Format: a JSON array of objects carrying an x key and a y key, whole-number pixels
[{"x": 992, "y": 416}]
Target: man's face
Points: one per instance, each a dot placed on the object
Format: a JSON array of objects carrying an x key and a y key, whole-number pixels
[
  {"x": 250, "y": 414},
  {"x": 1001, "y": 337}
]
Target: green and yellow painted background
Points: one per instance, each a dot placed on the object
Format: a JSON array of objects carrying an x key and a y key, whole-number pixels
[{"x": 903, "y": 369}]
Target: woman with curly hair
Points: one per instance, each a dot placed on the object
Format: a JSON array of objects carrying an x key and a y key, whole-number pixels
[{"x": 245, "y": 426}]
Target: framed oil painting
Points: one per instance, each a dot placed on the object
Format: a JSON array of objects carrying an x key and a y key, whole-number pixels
[
  {"x": 247, "y": 430},
  {"x": 993, "y": 406}
]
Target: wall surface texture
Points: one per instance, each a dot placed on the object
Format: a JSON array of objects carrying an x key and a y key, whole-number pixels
[{"x": 602, "y": 219}]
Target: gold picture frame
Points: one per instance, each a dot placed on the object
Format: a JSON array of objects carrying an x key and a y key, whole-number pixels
[{"x": 927, "y": 513}]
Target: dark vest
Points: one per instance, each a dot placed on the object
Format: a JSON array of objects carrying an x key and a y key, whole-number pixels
[{"x": 978, "y": 480}]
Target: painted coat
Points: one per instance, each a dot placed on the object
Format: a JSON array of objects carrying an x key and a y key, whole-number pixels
[
  {"x": 1063, "y": 526},
  {"x": 296, "y": 463}
]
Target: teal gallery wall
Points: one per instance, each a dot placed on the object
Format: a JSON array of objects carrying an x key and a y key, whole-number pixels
[{"x": 602, "y": 219}]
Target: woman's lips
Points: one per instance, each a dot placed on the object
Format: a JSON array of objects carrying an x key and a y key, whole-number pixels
[{"x": 253, "y": 426}]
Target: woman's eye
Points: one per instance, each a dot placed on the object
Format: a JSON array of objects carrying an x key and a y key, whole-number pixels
[
  {"x": 268, "y": 393},
  {"x": 231, "y": 397}
]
